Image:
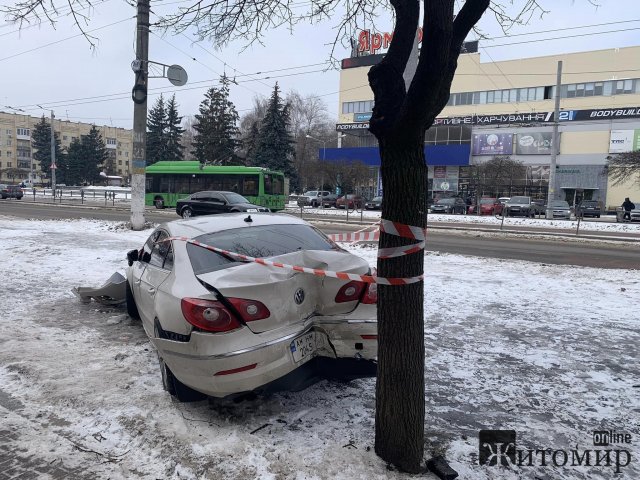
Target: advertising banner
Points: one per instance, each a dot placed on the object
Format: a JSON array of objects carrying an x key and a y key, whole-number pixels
[
  {"x": 493, "y": 144},
  {"x": 624, "y": 141},
  {"x": 534, "y": 143}
]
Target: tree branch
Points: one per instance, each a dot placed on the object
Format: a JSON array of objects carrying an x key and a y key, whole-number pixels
[{"x": 386, "y": 78}]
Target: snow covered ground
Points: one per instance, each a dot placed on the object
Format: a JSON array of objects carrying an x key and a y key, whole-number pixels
[{"x": 549, "y": 351}]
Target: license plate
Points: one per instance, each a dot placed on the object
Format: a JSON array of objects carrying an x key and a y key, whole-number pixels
[{"x": 303, "y": 347}]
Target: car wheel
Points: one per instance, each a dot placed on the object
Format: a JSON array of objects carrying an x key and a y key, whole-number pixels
[
  {"x": 187, "y": 212},
  {"x": 597, "y": 216},
  {"x": 175, "y": 387},
  {"x": 132, "y": 308},
  {"x": 159, "y": 203}
]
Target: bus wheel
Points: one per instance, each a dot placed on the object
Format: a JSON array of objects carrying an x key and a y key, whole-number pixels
[
  {"x": 159, "y": 203},
  {"x": 187, "y": 212}
]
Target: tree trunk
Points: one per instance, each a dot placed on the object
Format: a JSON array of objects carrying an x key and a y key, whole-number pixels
[{"x": 400, "y": 401}]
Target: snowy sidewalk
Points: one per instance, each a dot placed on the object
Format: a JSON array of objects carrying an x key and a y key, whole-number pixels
[{"x": 548, "y": 351}]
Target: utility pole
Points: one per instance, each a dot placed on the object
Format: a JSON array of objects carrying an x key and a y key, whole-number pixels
[
  {"x": 555, "y": 145},
  {"x": 140, "y": 67},
  {"x": 53, "y": 158}
]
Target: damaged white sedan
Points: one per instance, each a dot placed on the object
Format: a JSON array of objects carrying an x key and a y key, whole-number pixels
[{"x": 223, "y": 327}]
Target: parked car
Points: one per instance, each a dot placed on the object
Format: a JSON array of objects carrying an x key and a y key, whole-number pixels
[
  {"x": 374, "y": 204},
  {"x": 350, "y": 201},
  {"x": 312, "y": 198},
  {"x": 214, "y": 202},
  {"x": 635, "y": 214},
  {"x": 329, "y": 201},
  {"x": 488, "y": 206},
  {"x": 560, "y": 209},
  {"x": 519, "y": 206},
  {"x": 11, "y": 191},
  {"x": 449, "y": 205},
  {"x": 222, "y": 326},
  {"x": 588, "y": 208}
]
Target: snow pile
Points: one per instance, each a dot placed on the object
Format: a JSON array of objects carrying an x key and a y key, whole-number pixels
[{"x": 549, "y": 351}]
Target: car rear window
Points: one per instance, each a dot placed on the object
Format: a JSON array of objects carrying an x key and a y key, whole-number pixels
[{"x": 262, "y": 242}]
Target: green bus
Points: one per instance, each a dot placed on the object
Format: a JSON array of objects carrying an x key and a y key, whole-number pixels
[{"x": 167, "y": 182}]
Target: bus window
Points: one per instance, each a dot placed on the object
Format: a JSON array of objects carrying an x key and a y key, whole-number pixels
[
  {"x": 250, "y": 185},
  {"x": 267, "y": 184},
  {"x": 166, "y": 184},
  {"x": 196, "y": 183},
  {"x": 181, "y": 183},
  {"x": 231, "y": 183},
  {"x": 213, "y": 182},
  {"x": 277, "y": 184}
]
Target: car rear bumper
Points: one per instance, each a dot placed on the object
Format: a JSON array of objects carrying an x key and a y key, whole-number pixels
[{"x": 206, "y": 364}]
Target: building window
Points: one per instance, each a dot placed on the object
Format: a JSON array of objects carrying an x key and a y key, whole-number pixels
[
  {"x": 9, "y": 154},
  {"x": 111, "y": 141},
  {"x": 8, "y": 142},
  {"x": 23, "y": 164},
  {"x": 119, "y": 162},
  {"x": 9, "y": 164},
  {"x": 23, "y": 132},
  {"x": 357, "y": 107},
  {"x": 64, "y": 137},
  {"x": 126, "y": 154},
  {"x": 127, "y": 163}
]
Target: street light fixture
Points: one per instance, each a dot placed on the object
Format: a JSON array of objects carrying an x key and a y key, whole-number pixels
[{"x": 324, "y": 149}]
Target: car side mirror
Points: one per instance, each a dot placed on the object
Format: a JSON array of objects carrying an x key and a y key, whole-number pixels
[{"x": 132, "y": 256}]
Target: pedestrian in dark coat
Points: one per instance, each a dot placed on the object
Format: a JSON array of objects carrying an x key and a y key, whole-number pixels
[{"x": 627, "y": 206}]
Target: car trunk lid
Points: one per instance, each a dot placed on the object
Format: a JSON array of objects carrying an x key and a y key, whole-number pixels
[{"x": 289, "y": 295}]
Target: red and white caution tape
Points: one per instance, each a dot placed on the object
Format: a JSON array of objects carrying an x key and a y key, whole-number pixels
[
  {"x": 392, "y": 228},
  {"x": 297, "y": 268}
]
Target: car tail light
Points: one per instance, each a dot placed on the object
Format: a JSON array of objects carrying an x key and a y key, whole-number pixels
[
  {"x": 208, "y": 315},
  {"x": 250, "y": 310},
  {"x": 350, "y": 292},
  {"x": 371, "y": 293}
]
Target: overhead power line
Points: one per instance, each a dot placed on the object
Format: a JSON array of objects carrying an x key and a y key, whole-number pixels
[{"x": 65, "y": 39}]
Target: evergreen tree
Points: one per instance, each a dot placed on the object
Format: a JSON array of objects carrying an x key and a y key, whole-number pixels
[
  {"x": 41, "y": 144},
  {"x": 274, "y": 148},
  {"x": 75, "y": 163},
  {"x": 217, "y": 134},
  {"x": 251, "y": 143},
  {"x": 156, "y": 133},
  {"x": 95, "y": 155},
  {"x": 175, "y": 149}
]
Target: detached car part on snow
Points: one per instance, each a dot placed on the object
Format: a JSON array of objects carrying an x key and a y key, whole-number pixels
[{"x": 223, "y": 327}]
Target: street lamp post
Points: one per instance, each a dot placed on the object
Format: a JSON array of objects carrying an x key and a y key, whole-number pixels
[{"x": 324, "y": 150}]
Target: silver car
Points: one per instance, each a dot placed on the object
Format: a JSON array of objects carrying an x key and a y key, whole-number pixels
[
  {"x": 223, "y": 326},
  {"x": 560, "y": 209}
]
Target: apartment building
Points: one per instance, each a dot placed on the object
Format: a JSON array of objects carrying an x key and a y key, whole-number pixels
[{"x": 16, "y": 152}]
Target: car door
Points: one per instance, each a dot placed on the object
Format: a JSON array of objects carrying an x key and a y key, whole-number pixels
[
  {"x": 156, "y": 272},
  {"x": 200, "y": 203},
  {"x": 217, "y": 203}
]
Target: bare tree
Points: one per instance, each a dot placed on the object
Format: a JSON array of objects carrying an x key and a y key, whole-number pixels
[
  {"x": 401, "y": 116},
  {"x": 624, "y": 167}
]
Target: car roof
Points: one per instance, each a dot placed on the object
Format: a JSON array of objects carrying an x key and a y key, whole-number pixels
[
  {"x": 201, "y": 225},
  {"x": 214, "y": 191}
]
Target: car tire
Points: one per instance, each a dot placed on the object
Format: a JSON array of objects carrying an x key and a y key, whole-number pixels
[
  {"x": 159, "y": 203},
  {"x": 186, "y": 212},
  {"x": 597, "y": 216},
  {"x": 175, "y": 387},
  {"x": 132, "y": 308},
  {"x": 314, "y": 204}
]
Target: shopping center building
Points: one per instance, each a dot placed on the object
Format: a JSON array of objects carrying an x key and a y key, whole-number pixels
[
  {"x": 506, "y": 109},
  {"x": 16, "y": 152}
]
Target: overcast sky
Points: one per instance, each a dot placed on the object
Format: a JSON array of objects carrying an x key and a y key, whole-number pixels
[{"x": 67, "y": 76}]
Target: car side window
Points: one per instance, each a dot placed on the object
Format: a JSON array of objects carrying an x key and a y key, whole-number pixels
[
  {"x": 150, "y": 243},
  {"x": 160, "y": 250},
  {"x": 216, "y": 197}
]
